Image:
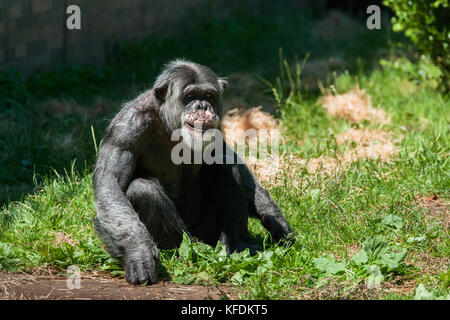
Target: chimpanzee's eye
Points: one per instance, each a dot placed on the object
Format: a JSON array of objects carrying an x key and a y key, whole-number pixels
[{"x": 190, "y": 97}]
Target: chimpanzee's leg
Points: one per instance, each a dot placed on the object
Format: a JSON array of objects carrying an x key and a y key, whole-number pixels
[
  {"x": 231, "y": 206},
  {"x": 157, "y": 212}
]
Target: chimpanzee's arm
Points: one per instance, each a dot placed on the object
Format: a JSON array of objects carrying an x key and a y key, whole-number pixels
[
  {"x": 112, "y": 176},
  {"x": 262, "y": 206},
  {"x": 117, "y": 223}
]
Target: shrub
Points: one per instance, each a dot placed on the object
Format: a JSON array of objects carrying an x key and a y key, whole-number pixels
[{"x": 426, "y": 23}]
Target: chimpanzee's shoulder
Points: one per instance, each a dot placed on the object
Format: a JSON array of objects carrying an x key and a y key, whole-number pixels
[{"x": 132, "y": 121}]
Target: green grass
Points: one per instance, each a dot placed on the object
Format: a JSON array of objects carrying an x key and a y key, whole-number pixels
[
  {"x": 329, "y": 214},
  {"x": 30, "y": 229},
  {"x": 368, "y": 210}
]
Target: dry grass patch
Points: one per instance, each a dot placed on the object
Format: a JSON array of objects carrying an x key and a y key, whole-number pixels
[
  {"x": 62, "y": 238},
  {"x": 426, "y": 263},
  {"x": 237, "y": 121},
  {"x": 355, "y": 105},
  {"x": 362, "y": 144},
  {"x": 266, "y": 169},
  {"x": 242, "y": 127},
  {"x": 370, "y": 144},
  {"x": 363, "y": 136}
]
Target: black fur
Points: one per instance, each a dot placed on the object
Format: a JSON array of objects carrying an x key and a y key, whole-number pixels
[{"x": 145, "y": 202}]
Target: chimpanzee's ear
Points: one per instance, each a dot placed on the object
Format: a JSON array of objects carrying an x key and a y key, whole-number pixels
[
  {"x": 223, "y": 84},
  {"x": 161, "y": 92}
]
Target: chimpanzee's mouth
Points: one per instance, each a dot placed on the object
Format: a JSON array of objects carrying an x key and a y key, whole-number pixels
[
  {"x": 200, "y": 121},
  {"x": 196, "y": 127}
]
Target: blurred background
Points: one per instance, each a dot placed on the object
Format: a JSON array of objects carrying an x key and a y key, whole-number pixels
[{"x": 34, "y": 34}]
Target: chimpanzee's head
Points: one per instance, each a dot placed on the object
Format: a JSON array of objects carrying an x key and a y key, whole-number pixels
[{"x": 190, "y": 95}]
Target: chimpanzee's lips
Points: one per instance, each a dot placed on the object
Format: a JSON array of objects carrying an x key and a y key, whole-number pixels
[
  {"x": 191, "y": 126},
  {"x": 199, "y": 126}
]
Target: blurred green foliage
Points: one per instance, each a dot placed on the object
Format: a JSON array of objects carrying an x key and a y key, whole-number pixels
[
  {"x": 422, "y": 71},
  {"x": 426, "y": 23}
]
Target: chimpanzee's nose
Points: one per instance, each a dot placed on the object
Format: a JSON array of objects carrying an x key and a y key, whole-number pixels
[{"x": 199, "y": 105}]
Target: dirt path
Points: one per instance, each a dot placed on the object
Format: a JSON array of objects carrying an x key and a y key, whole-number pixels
[{"x": 94, "y": 287}]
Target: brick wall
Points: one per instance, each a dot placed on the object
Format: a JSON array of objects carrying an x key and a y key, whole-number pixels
[{"x": 33, "y": 33}]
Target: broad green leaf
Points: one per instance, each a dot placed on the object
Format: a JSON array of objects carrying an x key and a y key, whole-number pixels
[
  {"x": 238, "y": 277},
  {"x": 401, "y": 255},
  {"x": 189, "y": 279},
  {"x": 202, "y": 277},
  {"x": 375, "y": 246},
  {"x": 117, "y": 273},
  {"x": 377, "y": 251},
  {"x": 360, "y": 258},
  {"x": 392, "y": 260},
  {"x": 185, "y": 249},
  {"x": 393, "y": 220},
  {"x": 329, "y": 265}
]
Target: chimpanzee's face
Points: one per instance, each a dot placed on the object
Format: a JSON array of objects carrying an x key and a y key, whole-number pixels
[
  {"x": 192, "y": 103},
  {"x": 201, "y": 104},
  {"x": 200, "y": 113}
]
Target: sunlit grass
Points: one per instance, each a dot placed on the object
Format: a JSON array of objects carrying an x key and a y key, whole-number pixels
[{"x": 330, "y": 214}]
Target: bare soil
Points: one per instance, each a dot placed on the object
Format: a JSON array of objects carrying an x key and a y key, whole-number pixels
[
  {"x": 436, "y": 208},
  {"x": 19, "y": 286}
]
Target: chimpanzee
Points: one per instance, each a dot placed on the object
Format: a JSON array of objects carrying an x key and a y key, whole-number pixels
[{"x": 145, "y": 201}]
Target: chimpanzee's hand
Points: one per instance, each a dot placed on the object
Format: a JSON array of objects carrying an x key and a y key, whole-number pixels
[{"x": 140, "y": 264}]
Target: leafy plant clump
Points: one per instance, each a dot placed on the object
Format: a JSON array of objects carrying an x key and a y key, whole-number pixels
[
  {"x": 206, "y": 264},
  {"x": 423, "y": 72},
  {"x": 425, "y": 22},
  {"x": 375, "y": 260}
]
